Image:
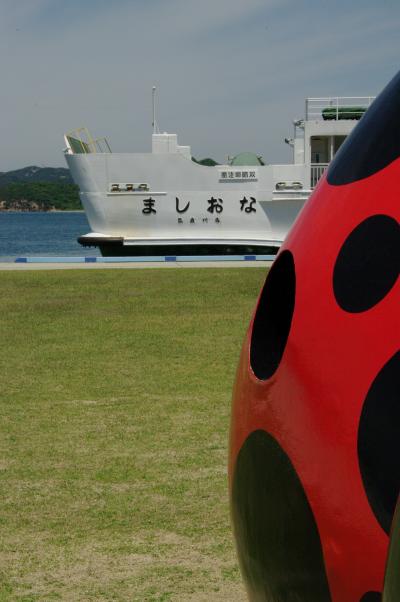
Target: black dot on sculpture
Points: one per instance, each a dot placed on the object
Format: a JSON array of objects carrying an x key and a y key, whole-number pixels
[
  {"x": 278, "y": 541},
  {"x": 273, "y": 317},
  {"x": 371, "y": 597},
  {"x": 368, "y": 264},
  {"x": 379, "y": 442},
  {"x": 374, "y": 143}
]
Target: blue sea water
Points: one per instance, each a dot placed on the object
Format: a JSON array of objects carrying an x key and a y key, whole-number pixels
[{"x": 43, "y": 234}]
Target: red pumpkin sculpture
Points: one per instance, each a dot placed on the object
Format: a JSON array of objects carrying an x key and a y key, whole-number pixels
[{"x": 315, "y": 434}]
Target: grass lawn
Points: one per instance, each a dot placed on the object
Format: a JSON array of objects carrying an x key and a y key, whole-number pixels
[{"x": 114, "y": 418}]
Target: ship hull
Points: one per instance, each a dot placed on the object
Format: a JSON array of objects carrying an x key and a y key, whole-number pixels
[
  {"x": 186, "y": 208},
  {"x": 115, "y": 247}
]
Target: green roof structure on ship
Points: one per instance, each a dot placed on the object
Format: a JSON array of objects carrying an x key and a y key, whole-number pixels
[{"x": 246, "y": 159}]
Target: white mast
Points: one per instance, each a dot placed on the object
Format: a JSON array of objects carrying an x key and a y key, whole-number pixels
[{"x": 154, "y": 124}]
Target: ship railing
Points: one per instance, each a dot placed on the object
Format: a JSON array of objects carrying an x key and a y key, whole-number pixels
[
  {"x": 317, "y": 169},
  {"x": 80, "y": 141},
  {"x": 337, "y": 107}
]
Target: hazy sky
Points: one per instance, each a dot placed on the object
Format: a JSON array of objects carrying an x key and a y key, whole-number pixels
[{"x": 230, "y": 75}]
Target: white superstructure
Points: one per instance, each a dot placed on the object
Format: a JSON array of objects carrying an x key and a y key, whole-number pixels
[{"x": 163, "y": 202}]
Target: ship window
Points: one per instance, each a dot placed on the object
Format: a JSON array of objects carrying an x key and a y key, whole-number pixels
[
  {"x": 319, "y": 149},
  {"x": 337, "y": 143}
]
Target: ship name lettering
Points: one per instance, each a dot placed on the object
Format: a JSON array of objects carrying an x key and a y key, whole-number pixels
[
  {"x": 148, "y": 206},
  {"x": 184, "y": 209},
  {"x": 247, "y": 205},
  {"x": 215, "y": 205}
]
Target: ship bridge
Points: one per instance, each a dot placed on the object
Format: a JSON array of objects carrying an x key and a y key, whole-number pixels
[{"x": 327, "y": 123}]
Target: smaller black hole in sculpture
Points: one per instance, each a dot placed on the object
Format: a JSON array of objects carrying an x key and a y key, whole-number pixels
[{"x": 273, "y": 317}]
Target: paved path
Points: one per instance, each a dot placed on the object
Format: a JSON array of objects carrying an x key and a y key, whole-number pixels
[{"x": 131, "y": 265}]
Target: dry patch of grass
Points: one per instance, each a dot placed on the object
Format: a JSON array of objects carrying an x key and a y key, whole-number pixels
[{"x": 114, "y": 418}]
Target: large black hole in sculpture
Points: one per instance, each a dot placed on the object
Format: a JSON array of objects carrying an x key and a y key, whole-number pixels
[
  {"x": 379, "y": 442},
  {"x": 368, "y": 264},
  {"x": 276, "y": 534},
  {"x": 273, "y": 317}
]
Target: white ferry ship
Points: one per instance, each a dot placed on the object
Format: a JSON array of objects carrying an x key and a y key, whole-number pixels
[{"x": 166, "y": 203}]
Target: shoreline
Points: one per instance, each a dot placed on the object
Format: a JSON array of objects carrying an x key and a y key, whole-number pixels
[{"x": 42, "y": 211}]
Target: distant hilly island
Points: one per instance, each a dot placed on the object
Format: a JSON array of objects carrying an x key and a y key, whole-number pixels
[
  {"x": 35, "y": 188},
  {"x": 36, "y": 174}
]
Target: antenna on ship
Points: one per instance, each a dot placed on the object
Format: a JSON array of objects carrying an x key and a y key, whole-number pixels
[{"x": 154, "y": 124}]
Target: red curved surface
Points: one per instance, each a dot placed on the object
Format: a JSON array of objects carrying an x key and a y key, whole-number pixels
[{"x": 312, "y": 404}]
